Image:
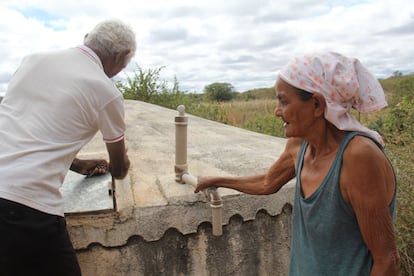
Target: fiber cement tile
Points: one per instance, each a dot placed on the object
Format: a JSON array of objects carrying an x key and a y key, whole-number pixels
[{"x": 83, "y": 195}]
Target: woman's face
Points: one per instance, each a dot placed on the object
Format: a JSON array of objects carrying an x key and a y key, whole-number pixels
[{"x": 298, "y": 115}]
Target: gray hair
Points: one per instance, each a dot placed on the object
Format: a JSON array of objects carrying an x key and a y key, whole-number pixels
[{"x": 110, "y": 37}]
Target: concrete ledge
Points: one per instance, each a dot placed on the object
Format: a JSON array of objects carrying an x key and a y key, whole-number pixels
[{"x": 150, "y": 223}]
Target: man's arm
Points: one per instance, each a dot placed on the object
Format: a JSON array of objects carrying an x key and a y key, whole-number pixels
[
  {"x": 368, "y": 185},
  {"x": 118, "y": 159}
]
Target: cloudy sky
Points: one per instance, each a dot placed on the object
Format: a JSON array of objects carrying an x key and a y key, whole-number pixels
[{"x": 242, "y": 42}]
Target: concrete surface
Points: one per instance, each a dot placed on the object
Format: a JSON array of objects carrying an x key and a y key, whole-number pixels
[{"x": 150, "y": 203}]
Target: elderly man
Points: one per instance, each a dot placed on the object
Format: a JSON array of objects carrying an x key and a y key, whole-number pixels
[
  {"x": 345, "y": 185},
  {"x": 54, "y": 105}
]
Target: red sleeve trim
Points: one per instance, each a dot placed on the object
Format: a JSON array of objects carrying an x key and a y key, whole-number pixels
[{"x": 113, "y": 140}]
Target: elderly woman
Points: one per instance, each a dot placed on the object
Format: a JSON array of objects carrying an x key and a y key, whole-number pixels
[{"x": 345, "y": 185}]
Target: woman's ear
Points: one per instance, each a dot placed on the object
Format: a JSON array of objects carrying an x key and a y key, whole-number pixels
[{"x": 319, "y": 104}]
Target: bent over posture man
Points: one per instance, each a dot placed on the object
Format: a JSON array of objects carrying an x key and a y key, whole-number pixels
[
  {"x": 54, "y": 105},
  {"x": 345, "y": 185}
]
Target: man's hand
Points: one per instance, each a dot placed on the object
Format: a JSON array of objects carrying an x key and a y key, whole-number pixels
[{"x": 90, "y": 167}]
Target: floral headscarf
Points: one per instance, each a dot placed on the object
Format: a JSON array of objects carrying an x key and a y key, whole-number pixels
[{"x": 344, "y": 82}]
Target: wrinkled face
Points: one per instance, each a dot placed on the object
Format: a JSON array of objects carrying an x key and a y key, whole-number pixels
[{"x": 297, "y": 114}]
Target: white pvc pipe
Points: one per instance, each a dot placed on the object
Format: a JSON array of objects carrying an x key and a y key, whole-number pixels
[
  {"x": 181, "y": 175},
  {"x": 189, "y": 179},
  {"x": 217, "y": 218},
  {"x": 181, "y": 122},
  {"x": 215, "y": 203}
]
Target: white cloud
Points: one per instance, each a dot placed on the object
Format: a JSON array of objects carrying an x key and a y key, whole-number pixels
[{"x": 200, "y": 42}]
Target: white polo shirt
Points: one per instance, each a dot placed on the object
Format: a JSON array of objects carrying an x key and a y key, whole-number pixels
[{"x": 55, "y": 104}]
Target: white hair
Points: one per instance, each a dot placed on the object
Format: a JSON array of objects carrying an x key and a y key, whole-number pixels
[{"x": 110, "y": 37}]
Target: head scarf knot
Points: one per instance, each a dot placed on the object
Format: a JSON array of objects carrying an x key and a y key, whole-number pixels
[{"x": 344, "y": 82}]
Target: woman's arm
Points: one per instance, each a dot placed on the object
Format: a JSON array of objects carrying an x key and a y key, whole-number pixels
[
  {"x": 278, "y": 175},
  {"x": 368, "y": 186}
]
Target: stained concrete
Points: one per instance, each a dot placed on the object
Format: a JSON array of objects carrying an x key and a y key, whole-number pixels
[{"x": 150, "y": 204}]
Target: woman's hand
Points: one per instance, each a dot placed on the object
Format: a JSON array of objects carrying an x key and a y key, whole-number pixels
[{"x": 205, "y": 182}]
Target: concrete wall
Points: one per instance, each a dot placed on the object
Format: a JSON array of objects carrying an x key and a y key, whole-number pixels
[{"x": 254, "y": 247}]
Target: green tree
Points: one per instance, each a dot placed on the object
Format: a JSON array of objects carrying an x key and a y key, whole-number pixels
[
  {"x": 219, "y": 91},
  {"x": 171, "y": 97},
  {"x": 147, "y": 86},
  {"x": 143, "y": 85},
  {"x": 397, "y": 73}
]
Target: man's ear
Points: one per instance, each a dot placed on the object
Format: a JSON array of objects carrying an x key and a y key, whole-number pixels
[
  {"x": 319, "y": 104},
  {"x": 121, "y": 56}
]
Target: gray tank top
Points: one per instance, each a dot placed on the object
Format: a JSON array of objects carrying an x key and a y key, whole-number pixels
[{"x": 325, "y": 236}]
